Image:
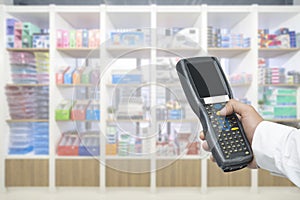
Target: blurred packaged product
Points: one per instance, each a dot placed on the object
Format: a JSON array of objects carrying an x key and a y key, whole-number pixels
[
  {"x": 80, "y": 38},
  {"x": 130, "y": 37},
  {"x": 224, "y": 38},
  {"x": 63, "y": 110},
  {"x": 68, "y": 144},
  {"x": 281, "y": 38},
  {"x": 89, "y": 144},
  {"x": 241, "y": 78}
]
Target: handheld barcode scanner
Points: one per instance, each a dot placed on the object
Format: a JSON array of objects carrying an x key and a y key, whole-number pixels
[{"x": 207, "y": 90}]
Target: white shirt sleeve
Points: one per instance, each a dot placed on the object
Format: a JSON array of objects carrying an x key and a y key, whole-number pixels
[{"x": 276, "y": 148}]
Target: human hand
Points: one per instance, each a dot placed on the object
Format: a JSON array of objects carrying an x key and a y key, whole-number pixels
[{"x": 248, "y": 117}]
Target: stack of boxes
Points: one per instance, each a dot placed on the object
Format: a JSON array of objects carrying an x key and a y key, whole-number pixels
[
  {"x": 272, "y": 75},
  {"x": 130, "y": 37},
  {"x": 241, "y": 78},
  {"x": 279, "y": 103},
  {"x": 111, "y": 140},
  {"x": 276, "y": 75},
  {"x": 281, "y": 38},
  {"x": 29, "y": 137},
  {"x": 25, "y": 35},
  {"x": 82, "y": 38},
  {"x": 223, "y": 38}
]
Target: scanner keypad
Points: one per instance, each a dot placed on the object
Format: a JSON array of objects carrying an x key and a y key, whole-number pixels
[{"x": 227, "y": 132}]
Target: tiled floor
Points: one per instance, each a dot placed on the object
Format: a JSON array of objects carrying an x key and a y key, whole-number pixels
[{"x": 160, "y": 194}]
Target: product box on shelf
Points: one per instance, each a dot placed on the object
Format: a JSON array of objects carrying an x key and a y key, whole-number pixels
[
  {"x": 282, "y": 38},
  {"x": 59, "y": 76},
  {"x": 94, "y": 38},
  {"x": 10, "y": 26},
  {"x": 59, "y": 38},
  {"x": 93, "y": 111},
  {"x": 89, "y": 144},
  {"x": 95, "y": 76},
  {"x": 68, "y": 75},
  {"x": 78, "y": 111},
  {"x": 63, "y": 110},
  {"x": 27, "y": 33},
  {"x": 76, "y": 77},
  {"x": 78, "y": 38},
  {"x": 111, "y": 140},
  {"x": 126, "y": 77},
  {"x": 18, "y": 35},
  {"x": 85, "y": 38},
  {"x": 68, "y": 144},
  {"x": 10, "y": 31},
  {"x": 86, "y": 75},
  {"x": 72, "y": 38},
  {"x": 41, "y": 138},
  {"x": 128, "y": 38},
  {"x": 20, "y": 139},
  {"x": 41, "y": 41}
]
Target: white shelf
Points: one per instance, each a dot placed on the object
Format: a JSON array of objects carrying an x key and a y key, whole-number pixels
[
  {"x": 81, "y": 52},
  {"x": 274, "y": 52},
  {"x": 129, "y": 52},
  {"x": 28, "y": 49},
  {"x": 227, "y": 52}
]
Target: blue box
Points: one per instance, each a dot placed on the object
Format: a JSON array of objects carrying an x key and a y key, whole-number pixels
[
  {"x": 10, "y": 26},
  {"x": 175, "y": 114},
  {"x": 127, "y": 38},
  {"x": 92, "y": 114},
  {"x": 10, "y": 41},
  {"x": 68, "y": 76},
  {"x": 85, "y": 38},
  {"x": 126, "y": 78},
  {"x": 89, "y": 146}
]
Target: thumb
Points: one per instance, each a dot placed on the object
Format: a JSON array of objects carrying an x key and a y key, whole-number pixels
[{"x": 233, "y": 106}]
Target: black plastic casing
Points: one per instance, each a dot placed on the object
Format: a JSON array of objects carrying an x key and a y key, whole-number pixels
[{"x": 197, "y": 105}]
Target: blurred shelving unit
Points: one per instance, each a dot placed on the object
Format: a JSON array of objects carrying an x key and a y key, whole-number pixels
[{"x": 153, "y": 170}]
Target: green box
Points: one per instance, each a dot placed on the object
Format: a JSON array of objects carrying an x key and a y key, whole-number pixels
[
  {"x": 72, "y": 38},
  {"x": 85, "y": 76},
  {"x": 63, "y": 110},
  {"x": 28, "y": 29},
  {"x": 285, "y": 112}
]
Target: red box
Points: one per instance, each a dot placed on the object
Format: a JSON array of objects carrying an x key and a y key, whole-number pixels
[
  {"x": 59, "y": 76},
  {"x": 18, "y": 35},
  {"x": 78, "y": 111},
  {"x": 65, "y": 39},
  {"x": 68, "y": 144}
]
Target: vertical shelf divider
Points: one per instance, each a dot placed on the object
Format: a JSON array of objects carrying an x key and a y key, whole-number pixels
[
  {"x": 203, "y": 35},
  {"x": 153, "y": 93},
  {"x": 103, "y": 101},
  {"x": 2, "y": 96},
  {"x": 254, "y": 86},
  {"x": 52, "y": 32}
]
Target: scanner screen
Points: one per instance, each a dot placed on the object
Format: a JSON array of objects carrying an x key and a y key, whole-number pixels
[{"x": 207, "y": 79}]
